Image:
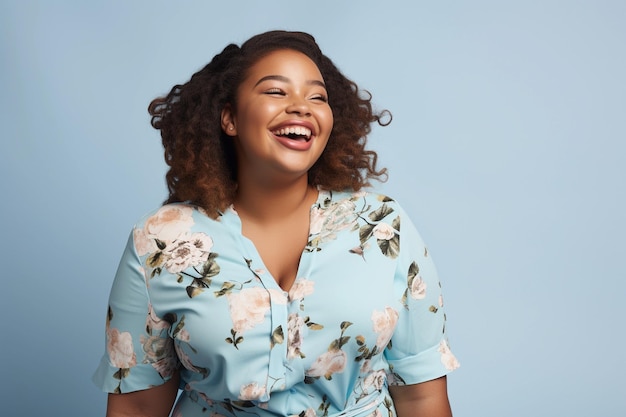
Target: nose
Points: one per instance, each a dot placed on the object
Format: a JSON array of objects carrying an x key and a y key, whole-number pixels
[{"x": 299, "y": 106}]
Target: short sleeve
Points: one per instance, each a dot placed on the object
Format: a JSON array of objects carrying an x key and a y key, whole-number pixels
[
  {"x": 139, "y": 352},
  {"x": 419, "y": 349}
]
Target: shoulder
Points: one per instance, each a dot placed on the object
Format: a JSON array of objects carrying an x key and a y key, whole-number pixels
[
  {"x": 367, "y": 199},
  {"x": 176, "y": 222},
  {"x": 179, "y": 214}
]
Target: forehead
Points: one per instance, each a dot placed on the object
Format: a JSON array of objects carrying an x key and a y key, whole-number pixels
[{"x": 284, "y": 62}]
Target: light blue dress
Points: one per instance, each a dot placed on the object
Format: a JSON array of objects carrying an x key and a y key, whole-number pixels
[{"x": 192, "y": 293}]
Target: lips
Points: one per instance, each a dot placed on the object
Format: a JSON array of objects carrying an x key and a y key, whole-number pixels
[{"x": 296, "y": 136}]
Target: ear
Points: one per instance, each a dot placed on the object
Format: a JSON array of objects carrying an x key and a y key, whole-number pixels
[{"x": 228, "y": 121}]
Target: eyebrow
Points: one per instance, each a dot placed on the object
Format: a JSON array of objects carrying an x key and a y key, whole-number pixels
[{"x": 287, "y": 80}]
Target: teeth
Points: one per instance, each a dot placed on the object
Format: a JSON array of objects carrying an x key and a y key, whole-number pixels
[{"x": 294, "y": 130}]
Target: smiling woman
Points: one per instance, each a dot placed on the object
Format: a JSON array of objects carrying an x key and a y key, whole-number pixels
[
  {"x": 282, "y": 120},
  {"x": 273, "y": 282}
]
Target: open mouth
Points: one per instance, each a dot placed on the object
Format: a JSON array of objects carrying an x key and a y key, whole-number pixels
[{"x": 299, "y": 133}]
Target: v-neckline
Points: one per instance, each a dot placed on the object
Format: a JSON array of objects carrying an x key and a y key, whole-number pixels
[{"x": 253, "y": 256}]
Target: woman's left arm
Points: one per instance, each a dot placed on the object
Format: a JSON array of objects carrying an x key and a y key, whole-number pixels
[{"x": 426, "y": 399}]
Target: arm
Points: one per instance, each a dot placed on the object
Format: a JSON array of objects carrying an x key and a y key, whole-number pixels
[
  {"x": 153, "y": 402},
  {"x": 426, "y": 399}
]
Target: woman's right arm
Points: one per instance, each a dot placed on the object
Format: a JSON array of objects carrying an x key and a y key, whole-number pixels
[{"x": 152, "y": 402}]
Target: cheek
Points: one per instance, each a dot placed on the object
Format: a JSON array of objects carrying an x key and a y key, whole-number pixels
[
  {"x": 256, "y": 112},
  {"x": 328, "y": 120}
]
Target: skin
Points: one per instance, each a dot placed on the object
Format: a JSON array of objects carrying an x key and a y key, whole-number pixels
[
  {"x": 282, "y": 89},
  {"x": 427, "y": 399},
  {"x": 153, "y": 402}
]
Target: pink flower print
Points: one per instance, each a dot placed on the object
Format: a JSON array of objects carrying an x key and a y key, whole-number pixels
[
  {"x": 185, "y": 360},
  {"x": 169, "y": 222},
  {"x": 447, "y": 358},
  {"x": 248, "y": 308},
  {"x": 294, "y": 336},
  {"x": 301, "y": 288},
  {"x": 156, "y": 348},
  {"x": 187, "y": 251},
  {"x": 143, "y": 243},
  {"x": 384, "y": 326},
  {"x": 375, "y": 380},
  {"x": 418, "y": 288},
  {"x": 327, "y": 364},
  {"x": 326, "y": 222},
  {"x": 154, "y": 322},
  {"x": 183, "y": 335},
  {"x": 383, "y": 231},
  {"x": 366, "y": 366},
  {"x": 120, "y": 349},
  {"x": 277, "y": 296},
  {"x": 166, "y": 225},
  {"x": 376, "y": 413},
  {"x": 251, "y": 391},
  {"x": 317, "y": 220},
  {"x": 166, "y": 366}
]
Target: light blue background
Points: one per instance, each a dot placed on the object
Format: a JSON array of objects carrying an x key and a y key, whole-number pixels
[{"x": 507, "y": 147}]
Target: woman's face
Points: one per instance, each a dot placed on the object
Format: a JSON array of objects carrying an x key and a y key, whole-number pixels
[{"x": 282, "y": 119}]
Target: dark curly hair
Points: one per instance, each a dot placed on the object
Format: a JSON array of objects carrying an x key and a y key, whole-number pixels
[{"x": 201, "y": 158}]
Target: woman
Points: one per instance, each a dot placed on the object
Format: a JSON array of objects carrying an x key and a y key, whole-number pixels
[{"x": 270, "y": 283}]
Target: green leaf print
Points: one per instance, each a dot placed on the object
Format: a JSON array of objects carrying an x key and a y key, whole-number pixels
[
  {"x": 121, "y": 373},
  {"x": 337, "y": 344},
  {"x": 365, "y": 232},
  {"x": 278, "y": 337},
  {"x": 179, "y": 326},
  {"x": 380, "y": 213},
  {"x": 391, "y": 247},
  {"x": 154, "y": 260},
  {"x": 193, "y": 291},
  {"x": 234, "y": 340},
  {"x": 396, "y": 223},
  {"x": 311, "y": 325},
  {"x": 197, "y": 286},
  {"x": 210, "y": 267},
  {"x": 226, "y": 288},
  {"x": 344, "y": 325},
  {"x": 366, "y": 353},
  {"x": 323, "y": 407},
  {"x": 414, "y": 269}
]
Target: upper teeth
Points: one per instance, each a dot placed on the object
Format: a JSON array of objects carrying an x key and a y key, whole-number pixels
[{"x": 294, "y": 130}]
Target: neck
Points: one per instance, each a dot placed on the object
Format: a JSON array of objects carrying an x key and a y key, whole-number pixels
[{"x": 270, "y": 201}]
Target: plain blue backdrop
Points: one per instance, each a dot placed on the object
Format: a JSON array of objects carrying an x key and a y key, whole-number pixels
[{"x": 508, "y": 149}]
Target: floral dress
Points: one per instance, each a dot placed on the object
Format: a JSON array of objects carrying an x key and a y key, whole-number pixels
[{"x": 191, "y": 294}]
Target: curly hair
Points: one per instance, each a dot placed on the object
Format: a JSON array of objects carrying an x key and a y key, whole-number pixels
[{"x": 201, "y": 157}]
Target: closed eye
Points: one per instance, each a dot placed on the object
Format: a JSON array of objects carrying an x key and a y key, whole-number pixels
[
  {"x": 274, "y": 91},
  {"x": 320, "y": 97}
]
